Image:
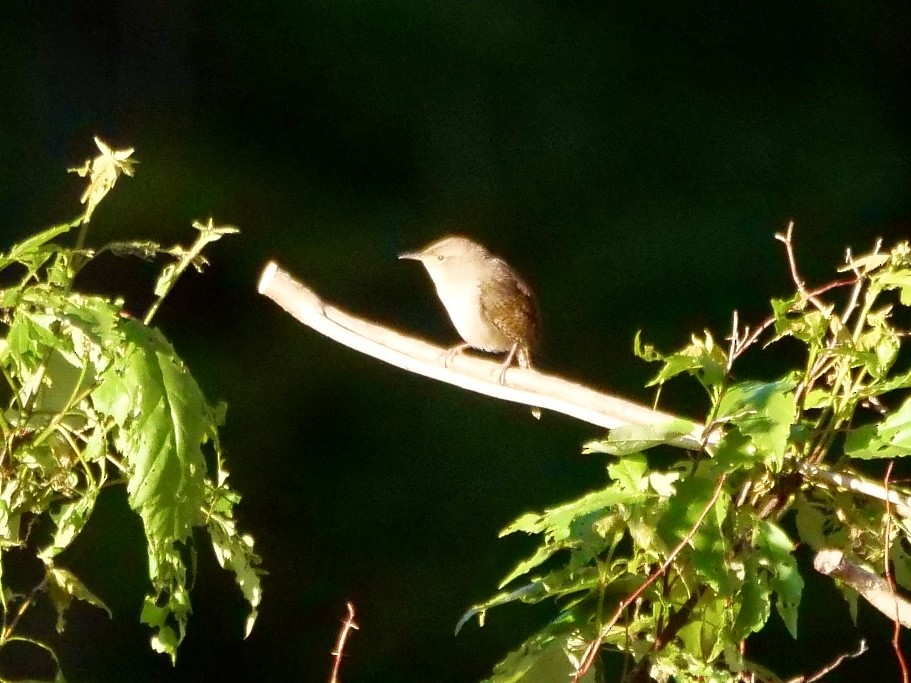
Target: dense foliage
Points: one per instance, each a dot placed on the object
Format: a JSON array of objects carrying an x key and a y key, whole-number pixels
[
  {"x": 674, "y": 564},
  {"x": 96, "y": 398}
]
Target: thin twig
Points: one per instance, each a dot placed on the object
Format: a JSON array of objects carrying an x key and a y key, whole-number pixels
[
  {"x": 347, "y": 626},
  {"x": 735, "y": 340},
  {"x": 787, "y": 240},
  {"x": 829, "y": 668},
  {"x": 591, "y": 652},
  {"x": 23, "y": 608}
]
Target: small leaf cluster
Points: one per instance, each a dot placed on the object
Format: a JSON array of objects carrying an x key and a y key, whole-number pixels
[
  {"x": 677, "y": 560},
  {"x": 95, "y": 398}
]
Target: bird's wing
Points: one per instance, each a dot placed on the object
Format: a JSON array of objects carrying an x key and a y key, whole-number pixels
[{"x": 508, "y": 303}]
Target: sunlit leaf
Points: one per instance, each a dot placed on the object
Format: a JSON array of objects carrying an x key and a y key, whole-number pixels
[
  {"x": 629, "y": 439},
  {"x": 763, "y": 411},
  {"x": 888, "y": 439},
  {"x": 62, "y": 587},
  {"x": 785, "y": 578}
]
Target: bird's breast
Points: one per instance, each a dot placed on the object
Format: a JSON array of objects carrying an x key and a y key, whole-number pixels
[{"x": 463, "y": 304}]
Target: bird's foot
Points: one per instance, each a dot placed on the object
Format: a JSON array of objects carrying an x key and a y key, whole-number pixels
[{"x": 449, "y": 354}]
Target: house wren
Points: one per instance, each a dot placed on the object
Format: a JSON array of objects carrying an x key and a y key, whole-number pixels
[{"x": 489, "y": 304}]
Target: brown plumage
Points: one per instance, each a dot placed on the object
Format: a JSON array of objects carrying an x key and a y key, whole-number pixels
[{"x": 490, "y": 305}]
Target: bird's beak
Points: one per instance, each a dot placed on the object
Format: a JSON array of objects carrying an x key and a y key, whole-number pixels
[{"x": 412, "y": 255}]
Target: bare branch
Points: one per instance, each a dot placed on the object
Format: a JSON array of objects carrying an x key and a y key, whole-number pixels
[
  {"x": 870, "y": 585},
  {"x": 527, "y": 386},
  {"x": 827, "y": 478}
]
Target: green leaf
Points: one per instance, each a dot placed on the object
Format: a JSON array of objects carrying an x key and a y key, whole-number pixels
[
  {"x": 165, "y": 639},
  {"x": 735, "y": 451},
  {"x": 763, "y": 411},
  {"x": 564, "y": 526},
  {"x": 629, "y": 439},
  {"x": 898, "y": 279},
  {"x": 168, "y": 610},
  {"x": 889, "y": 439},
  {"x": 791, "y": 319},
  {"x": 235, "y": 552},
  {"x": 702, "y": 358},
  {"x": 162, "y": 421},
  {"x": 69, "y": 521},
  {"x": 878, "y": 346},
  {"x": 629, "y": 473},
  {"x": 62, "y": 587},
  {"x": 558, "y": 583},
  {"x": 541, "y": 659},
  {"x": 753, "y": 606},
  {"x": 702, "y": 636},
  {"x": 32, "y": 252},
  {"x": 785, "y": 578},
  {"x": 708, "y": 543}
]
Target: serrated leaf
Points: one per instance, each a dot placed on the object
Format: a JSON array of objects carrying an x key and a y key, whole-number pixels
[
  {"x": 735, "y": 451},
  {"x": 692, "y": 495},
  {"x": 888, "y": 439},
  {"x": 702, "y": 635},
  {"x": 161, "y": 422},
  {"x": 702, "y": 358},
  {"x": 560, "y": 525},
  {"x": 69, "y": 520},
  {"x": 540, "y": 659},
  {"x": 168, "y": 609},
  {"x": 754, "y": 604},
  {"x": 763, "y": 411},
  {"x": 62, "y": 587},
  {"x": 161, "y": 416},
  {"x": 792, "y": 319},
  {"x": 785, "y": 578},
  {"x": 663, "y": 483},
  {"x": 629, "y": 473},
  {"x": 235, "y": 552},
  {"x": 33, "y": 252}
]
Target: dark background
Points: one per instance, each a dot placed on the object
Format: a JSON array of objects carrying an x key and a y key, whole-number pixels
[{"x": 631, "y": 160}]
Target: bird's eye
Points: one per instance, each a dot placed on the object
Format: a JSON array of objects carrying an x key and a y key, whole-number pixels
[{"x": 440, "y": 258}]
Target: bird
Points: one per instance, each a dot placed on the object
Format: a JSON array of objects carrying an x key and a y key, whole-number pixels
[{"x": 491, "y": 307}]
